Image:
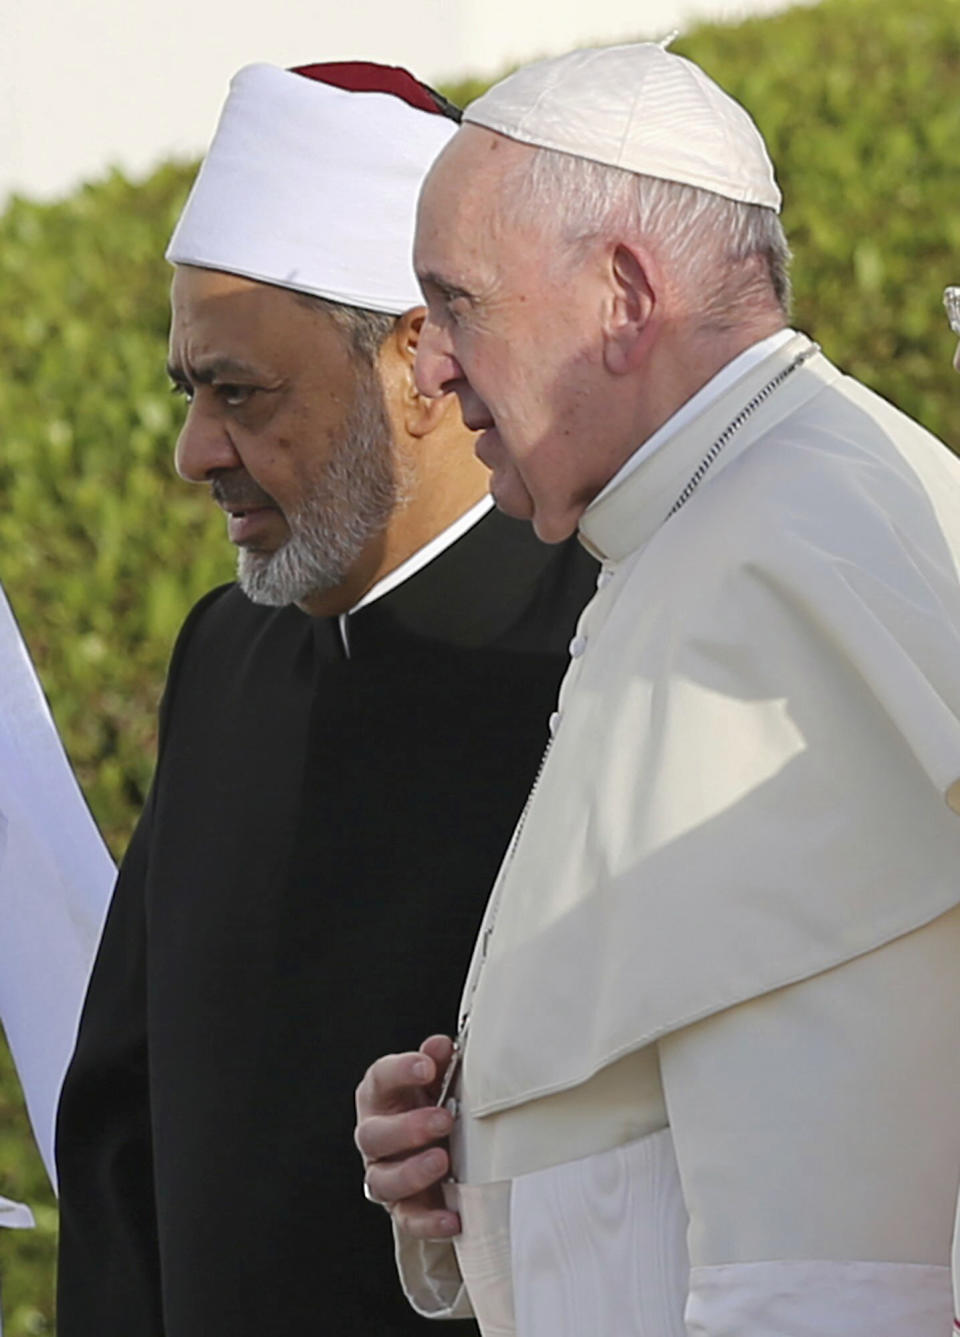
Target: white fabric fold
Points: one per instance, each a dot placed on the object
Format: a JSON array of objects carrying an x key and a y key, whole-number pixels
[
  {"x": 483, "y": 1250},
  {"x": 819, "y": 1299},
  {"x": 599, "y": 1245},
  {"x": 55, "y": 881}
]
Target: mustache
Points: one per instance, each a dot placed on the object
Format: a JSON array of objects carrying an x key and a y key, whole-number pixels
[{"x": 239, "y": 491}]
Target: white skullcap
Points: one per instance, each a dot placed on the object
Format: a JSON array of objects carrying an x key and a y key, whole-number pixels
[
  {"x": 314, "y": 187},
  {"x": 638, "y": 107}
]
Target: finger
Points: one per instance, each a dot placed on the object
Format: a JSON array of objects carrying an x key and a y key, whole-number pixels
[
  {"x": 439, "y": 1048},
  {"x": 385, "y": 1135},
  {"x": 425, "y": 1222},
  {"x": 424, "y": 1216},
  {"x": 391, "y": 1182},
  {"x": 395, "y": 1083}
]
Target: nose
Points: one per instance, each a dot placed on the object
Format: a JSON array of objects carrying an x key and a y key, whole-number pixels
[
  {"x": 436, "y": 370},
  {"x": 204, "y": 447}
]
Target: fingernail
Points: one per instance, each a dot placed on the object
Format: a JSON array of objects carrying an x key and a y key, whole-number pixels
[
  {"x": 435, "y": 1162},
  {"x": 421, "y": 1069},
  {"x": 440, "y": 1122}
]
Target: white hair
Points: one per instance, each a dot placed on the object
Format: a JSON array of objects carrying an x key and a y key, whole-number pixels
[
  {"x": 366, "y": 331},
  {"x": 711, "y": 243}
]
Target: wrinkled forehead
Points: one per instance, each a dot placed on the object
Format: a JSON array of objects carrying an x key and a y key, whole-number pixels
[
  {"x": 476, "y": 158},
  {"x": 463, "y": 187},
  {"x": 217, "y": 313},
  {"x": 195, "y": 288}
]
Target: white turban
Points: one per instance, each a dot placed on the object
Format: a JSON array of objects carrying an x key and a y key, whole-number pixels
[
  {"x": 314, "y": 187},
  {"x": 638, "y": 107}
]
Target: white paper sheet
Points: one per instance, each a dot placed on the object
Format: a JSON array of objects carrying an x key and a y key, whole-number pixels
[{"x": 56, "y": 876}]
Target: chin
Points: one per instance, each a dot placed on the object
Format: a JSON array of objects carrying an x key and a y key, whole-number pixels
[
  {"x": 553, "y": 528},
  {"x": 513, "y": 501}
]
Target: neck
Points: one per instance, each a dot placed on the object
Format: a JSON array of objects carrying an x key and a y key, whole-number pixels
[{"x": 684, "y": 362}]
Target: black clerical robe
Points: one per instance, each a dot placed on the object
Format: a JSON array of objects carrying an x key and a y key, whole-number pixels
[{"x": 301, "y": 895}]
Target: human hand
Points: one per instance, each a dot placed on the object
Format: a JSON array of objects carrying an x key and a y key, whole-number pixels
[{"x": 399, "y": 1129}]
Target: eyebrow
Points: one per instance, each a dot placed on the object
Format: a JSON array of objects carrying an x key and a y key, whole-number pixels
[
  {"x": 444, "y": 286},
  {"x": 208, "y": 370}
]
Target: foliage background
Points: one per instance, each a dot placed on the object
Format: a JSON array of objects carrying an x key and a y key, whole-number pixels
[{"x": 103, "y": 550}]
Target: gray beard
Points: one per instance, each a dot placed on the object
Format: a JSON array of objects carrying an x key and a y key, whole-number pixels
[{"x": 347, "y": 505}]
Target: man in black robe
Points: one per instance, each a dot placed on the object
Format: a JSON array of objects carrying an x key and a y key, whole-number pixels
[{"x": 347, "y": 738}]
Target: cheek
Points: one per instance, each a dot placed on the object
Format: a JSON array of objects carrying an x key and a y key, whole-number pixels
[
  {"x": 270, "y": 460},
  {"x": 486, "y": 360}
]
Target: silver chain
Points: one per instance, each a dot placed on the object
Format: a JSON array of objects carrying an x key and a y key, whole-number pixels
[{"x": 730, "y": 431}]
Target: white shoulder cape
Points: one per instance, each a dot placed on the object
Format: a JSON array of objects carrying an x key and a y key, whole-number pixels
[{"x": 756, "y": 771}]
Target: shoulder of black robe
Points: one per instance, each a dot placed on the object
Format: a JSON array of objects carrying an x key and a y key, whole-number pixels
[{"x": 301, "y": 895}]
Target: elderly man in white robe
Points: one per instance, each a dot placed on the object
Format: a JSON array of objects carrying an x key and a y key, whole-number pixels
[{"x": 707, "y": 1080}]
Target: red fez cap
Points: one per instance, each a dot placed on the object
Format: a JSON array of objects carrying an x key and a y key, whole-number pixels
[{"x": 365, "y": 76}]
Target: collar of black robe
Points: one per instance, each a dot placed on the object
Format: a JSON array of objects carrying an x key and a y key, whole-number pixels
[{"x": 484, "y": 589}]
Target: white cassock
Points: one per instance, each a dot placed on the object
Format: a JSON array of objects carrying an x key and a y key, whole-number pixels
[
  {"x": 55, "y": 880},
  {"x": 711, "y": 1081}
]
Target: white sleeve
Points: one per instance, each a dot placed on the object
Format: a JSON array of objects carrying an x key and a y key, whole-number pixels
[
  {"x": 817, "y": 1132},
  {"x": 430, "y": 1277},
  {"x": 15, "y": 1215}
]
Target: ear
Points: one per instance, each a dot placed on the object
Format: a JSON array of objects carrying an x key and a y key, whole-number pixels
[
  {"x": 420, "y": 415},
  {"x": 634, "y": 282}
]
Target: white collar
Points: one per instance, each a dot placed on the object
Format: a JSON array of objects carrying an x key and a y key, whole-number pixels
[
  {"x": 423, "y": 556},
  {"x": 704, "y": 397},
  {"x": 417, "y": 561},
  {"x": 628, "y": 515}
]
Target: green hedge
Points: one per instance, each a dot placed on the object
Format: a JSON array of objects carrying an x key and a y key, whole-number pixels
[{"x": 103, "y": 549}]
